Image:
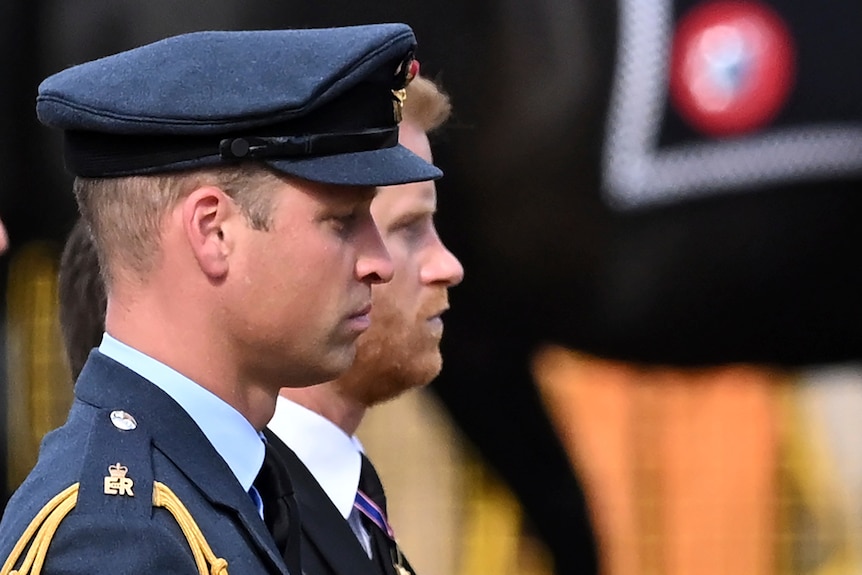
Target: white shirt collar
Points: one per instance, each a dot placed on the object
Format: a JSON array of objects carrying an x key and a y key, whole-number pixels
[
  {"x": 231, "y": 434},
  {"x": 332, "y": 456}
]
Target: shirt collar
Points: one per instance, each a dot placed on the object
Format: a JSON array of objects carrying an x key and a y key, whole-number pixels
[
  {"x": 231, "y": 434},
  {"x": 332, "y": 456}
]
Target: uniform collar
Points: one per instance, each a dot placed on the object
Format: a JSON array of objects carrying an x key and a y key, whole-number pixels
[
  {"x": 232, "y": 436},
  {"x": 332, "y": 456}
]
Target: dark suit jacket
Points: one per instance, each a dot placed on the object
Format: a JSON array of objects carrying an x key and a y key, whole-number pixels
[
  {"x": 328, "y": 545},
  {"x": 125, "y": 534}
]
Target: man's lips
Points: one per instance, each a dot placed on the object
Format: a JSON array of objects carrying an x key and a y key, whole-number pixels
[
  {"x": 435, "y": 322},
  {"x": 439, "y": 313},
  {"x": 362, "y": 311},
  {"x": 360, "y": 319}
]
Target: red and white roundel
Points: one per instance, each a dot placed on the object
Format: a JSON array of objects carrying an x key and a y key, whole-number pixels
[{"x": 732, "y": 66}]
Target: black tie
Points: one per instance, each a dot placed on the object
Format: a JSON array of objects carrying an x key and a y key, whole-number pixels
[
  {"x": 386, "y": 550},
  {"x": 280, "y": 511}
]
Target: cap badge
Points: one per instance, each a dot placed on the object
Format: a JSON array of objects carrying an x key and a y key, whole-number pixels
[
  {"x": 400, "y": 95},
  {"x": 117, "y": 483}
]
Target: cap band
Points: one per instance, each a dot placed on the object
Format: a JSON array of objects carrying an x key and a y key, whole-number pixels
[{"x": 93, "y": 154}]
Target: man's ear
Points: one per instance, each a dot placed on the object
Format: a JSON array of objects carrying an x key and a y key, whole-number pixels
[{"x": 204, "y": 214}]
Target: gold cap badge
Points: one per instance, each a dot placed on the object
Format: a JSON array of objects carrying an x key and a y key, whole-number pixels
[{"x": 410, "y": 69}]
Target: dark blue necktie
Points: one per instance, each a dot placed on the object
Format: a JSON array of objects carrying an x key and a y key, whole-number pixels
[{"x": 280, "y": 511}]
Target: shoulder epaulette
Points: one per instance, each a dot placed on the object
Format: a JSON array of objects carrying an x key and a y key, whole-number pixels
[{"x": 37, "y": 537}]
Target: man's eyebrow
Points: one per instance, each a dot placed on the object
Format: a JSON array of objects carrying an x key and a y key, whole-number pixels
[{"x": 412, "y": 216}]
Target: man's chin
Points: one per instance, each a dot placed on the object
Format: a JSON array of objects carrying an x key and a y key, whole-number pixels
[
  {"x": 396, "y": 381},
  {"x": 336, "y": 365}
]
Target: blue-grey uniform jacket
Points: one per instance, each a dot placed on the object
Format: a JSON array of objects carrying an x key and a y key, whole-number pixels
[{"x": 149, "y": 446}]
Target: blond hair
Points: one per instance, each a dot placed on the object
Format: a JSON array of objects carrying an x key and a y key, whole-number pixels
[
  {"x": 125, "y": 214},
  {"x": 426, "y": 104}
]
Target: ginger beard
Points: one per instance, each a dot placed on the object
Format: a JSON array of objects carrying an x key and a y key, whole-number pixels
[{"x": 400, "y": 351}]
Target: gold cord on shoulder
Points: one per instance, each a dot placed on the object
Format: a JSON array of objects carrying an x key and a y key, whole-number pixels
[
  {"x": 42, "y": 528},
  {"x": 207, "y": 562}
]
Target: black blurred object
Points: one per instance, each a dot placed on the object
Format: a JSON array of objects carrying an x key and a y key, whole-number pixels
[
  {"x": 757, "y": 260},
  {"x": 770, "y": 278},
  {"x": 739, "y": 236}
]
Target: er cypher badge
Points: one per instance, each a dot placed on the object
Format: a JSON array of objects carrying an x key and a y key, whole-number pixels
[{"x": 117, "y": 483}]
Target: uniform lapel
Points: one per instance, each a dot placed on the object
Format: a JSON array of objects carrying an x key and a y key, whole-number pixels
[
  {"x": 323, "y": 526},
  {"x": 114, "y": 386}
]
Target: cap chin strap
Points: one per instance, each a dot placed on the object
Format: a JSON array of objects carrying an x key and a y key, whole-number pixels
[{"x": 43, "y": 527}]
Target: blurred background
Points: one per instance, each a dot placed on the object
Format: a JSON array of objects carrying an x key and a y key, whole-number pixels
[{"x": 654, "y": 364}]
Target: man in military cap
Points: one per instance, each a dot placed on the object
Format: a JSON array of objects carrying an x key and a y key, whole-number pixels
[
  {"x": 226, "y": 179},
  {"x": 400, "y": 351}
]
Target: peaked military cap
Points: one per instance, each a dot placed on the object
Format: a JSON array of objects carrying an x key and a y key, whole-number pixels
[{"x": 321, "y": 104}]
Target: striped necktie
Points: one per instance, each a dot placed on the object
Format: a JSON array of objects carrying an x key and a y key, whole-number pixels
[{"x": 371, "y": 502}]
